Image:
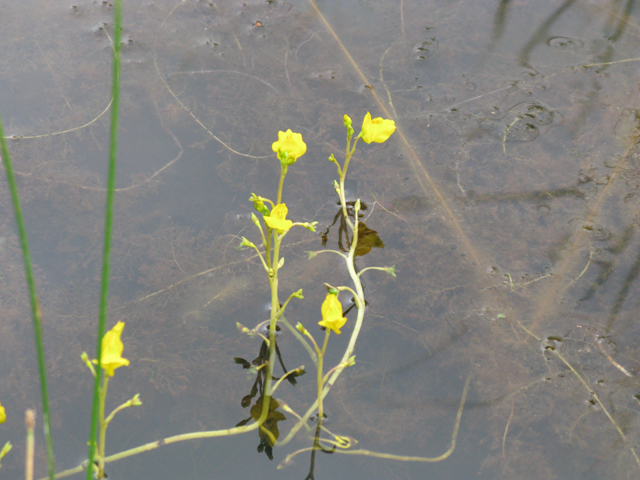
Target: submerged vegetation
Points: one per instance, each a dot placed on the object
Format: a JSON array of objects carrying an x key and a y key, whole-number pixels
[{"x": 500, "y": 178}]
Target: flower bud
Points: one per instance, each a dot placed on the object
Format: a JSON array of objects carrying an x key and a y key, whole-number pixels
[{"x": 247, "y": 243}]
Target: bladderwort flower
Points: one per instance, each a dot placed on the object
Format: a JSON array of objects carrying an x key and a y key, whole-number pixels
[
  {"x": 332, "y": 313},
  {"x": 289, "y": 147},
  {"x": 278, "y": 218},
  {"x": 3, "y": 414},
  {"x": 377, "y": 130},
  {"x": 112, "y": 350}
]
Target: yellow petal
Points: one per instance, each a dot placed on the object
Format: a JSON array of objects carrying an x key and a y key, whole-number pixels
[
  {"x": 112, "y": 350},
  {"x": 278, "y": 218},
  {"x": 377, "y": 130},
  {"x": 289, "y": 146},
  {"x": 332, "y": 314},
  {"x": 3, "y": 415}
]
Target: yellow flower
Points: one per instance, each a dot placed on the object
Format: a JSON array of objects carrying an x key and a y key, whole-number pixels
[
  {"x": 376, "y": 130},
  {"x": 289, "y": 146},
  {"x": 3, "y": 415},
  {"x": 332, "y": 313},
  {"x": 112, "y": 350},
  {"x": 278, "y": 218}
]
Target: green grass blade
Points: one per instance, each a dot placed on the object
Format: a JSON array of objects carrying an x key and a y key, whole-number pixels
[
  {"x": 36, "y": 314},
  {"x": 108, "y": 217}
]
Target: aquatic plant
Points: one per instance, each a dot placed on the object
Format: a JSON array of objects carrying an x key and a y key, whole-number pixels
[{"x": 507, "y": 197}]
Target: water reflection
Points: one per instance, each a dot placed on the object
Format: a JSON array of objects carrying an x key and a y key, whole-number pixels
[
  {"x": 269, "y": 432},
  {"x": 367, "y": 238}
]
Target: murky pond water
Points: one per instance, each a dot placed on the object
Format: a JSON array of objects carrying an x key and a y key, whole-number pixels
[{"x": 507, "y": 199}]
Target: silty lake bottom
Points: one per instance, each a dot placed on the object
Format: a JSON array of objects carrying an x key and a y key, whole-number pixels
[{"x": 507, "y": 200}]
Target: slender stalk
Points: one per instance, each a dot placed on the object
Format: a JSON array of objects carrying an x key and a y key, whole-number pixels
[
  {"x": 300, "y": 338},
  {"x": 360, "y": 304},
  {"x": 30, "y": 422},
  {"x": 36, "y": 313},
  {"x": 275, "y": 313},
  {"x": 108, "y": 218},
  {"x": 320, "y": 376},
  {"x": 103, "y": 427},
  {"x": 343, "y": 176},
  {"x": 343, "y": 200},
  {"x": 390, "y": 456},
  {"x": 283, "y": 173}
]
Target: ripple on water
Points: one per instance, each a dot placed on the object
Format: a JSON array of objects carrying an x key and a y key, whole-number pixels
[{"x": 565, "y": 43}]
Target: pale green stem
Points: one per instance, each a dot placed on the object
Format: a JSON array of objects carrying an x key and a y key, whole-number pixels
[
  {"x": 356, "y": 329},
  {"x": 275, "y": 312},
  {"x": 343, "y": 176},
  {"x": 384, "y": 269},
  {"x": 282, "y": 378},
  {"x": 320, "y": 379},
  {"x": 300, "y": 338},
  {"x": 290, "y": 410},
  {"x": 355, "y": 295},
  {"x": 264, "y": 264},
  {"x": 283, "y": 173},
  {"x": 330, "y": 251},
  {"x": 390, "y": 456},
  {"x": 284, "y": 305},
  {"x": 103, "y": 426},
  {"x": 328, "y": 374},
  {"x": 166, "y": 441},
  {"x": 112, "y": 414},
  {"x": 264, "y": 239},
  {"x": 267, "y": 247}
]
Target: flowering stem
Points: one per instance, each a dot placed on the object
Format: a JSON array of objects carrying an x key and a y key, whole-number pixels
[
  {"x": 275, "y": 313},
  {"x": 343, "y": 176},
  {"x": 323, "y": 389},
  {"x": 320, "y": 379},
  {"x": 283, "y": 173},
  {"x": 267, "y": 247},
  {"x": 103, "y": 426}
]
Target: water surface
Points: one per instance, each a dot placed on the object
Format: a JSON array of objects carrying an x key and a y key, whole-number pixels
[{"x": 507, "y": 200}]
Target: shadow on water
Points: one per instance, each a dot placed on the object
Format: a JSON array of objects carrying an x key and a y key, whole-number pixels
[{"x": 508, "y": 201}]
